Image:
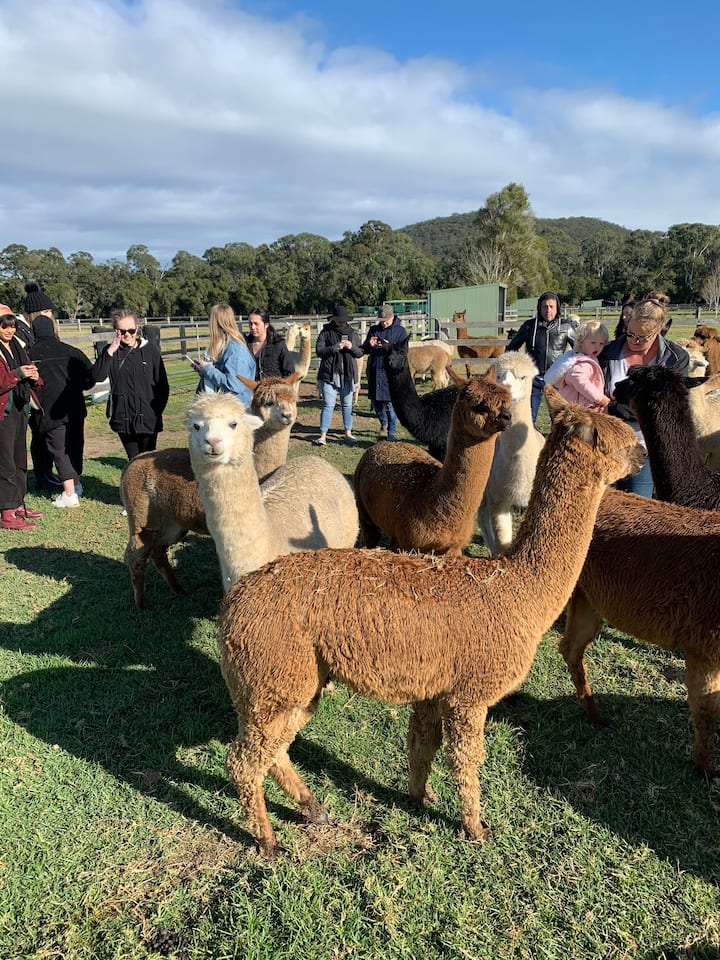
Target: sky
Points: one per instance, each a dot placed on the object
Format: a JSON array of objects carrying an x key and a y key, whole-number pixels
[{"x": 189, "y": 124}]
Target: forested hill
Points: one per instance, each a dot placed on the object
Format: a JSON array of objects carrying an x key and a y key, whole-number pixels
[{"x": 445, "y": 236}]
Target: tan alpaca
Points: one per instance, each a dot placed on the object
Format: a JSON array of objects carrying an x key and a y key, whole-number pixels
[
  {"x": 303, "y": 505},
  {"x": 160, "y": 493},
  {"x": 705, "y": 412},
  {"x": 451, "y": 635},
  {"x": 477, "y": 351},
  {"x": 423, "y": 504},
  {"x": 423, "y": 358},
  {"x": 301, "y": 358},
  {"x": 707, "y": 339}
]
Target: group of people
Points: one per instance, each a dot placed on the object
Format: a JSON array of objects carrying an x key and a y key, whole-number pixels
[
  {"x": 43, "y": 380},
  {"x": 588, "y": 372}
]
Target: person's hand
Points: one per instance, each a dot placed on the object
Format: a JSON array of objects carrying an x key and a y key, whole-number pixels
[
  {"x": 28, "y": 371},
  {"x": 114, "y": 343}
]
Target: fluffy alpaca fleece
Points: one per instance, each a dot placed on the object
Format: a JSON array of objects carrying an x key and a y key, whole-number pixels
[
  {"x": 425, "y": 505},
  {"x": 660, "y": 398},
  {"x": 651, "y": 571},
  {"x": 426, "y": 417},
  {"x": 450, "y": 635},
  {"x": 160, "y": 493},
  {"x": 302, "y": 357},
  {"x": 704, "y": 398},
  {"x": 699, "y": 363},
  {"x": 516, "y": 455},
  {"x": 426, "y": 358},
  {"x": 303, "y": 505},
  {"x": 707, "y": 339}
]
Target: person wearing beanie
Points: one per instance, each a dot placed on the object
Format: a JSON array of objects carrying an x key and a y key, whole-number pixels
[
  {"x": 18, "y": 377},
  {"x": 37, "y": 302},
  {"x": 60, "y": 426},
  {"x": 139, "y": 388},
  {"x": 545, "y": 336}
]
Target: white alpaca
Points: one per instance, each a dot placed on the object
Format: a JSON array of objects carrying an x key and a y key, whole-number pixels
[
  {"x": 305, "y": 505},
  {"x": 301, "y": 358},
  {"x": 516, "y": 453}
]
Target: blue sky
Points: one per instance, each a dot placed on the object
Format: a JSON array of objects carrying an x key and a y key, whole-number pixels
[{"x": 185, "y": 124}]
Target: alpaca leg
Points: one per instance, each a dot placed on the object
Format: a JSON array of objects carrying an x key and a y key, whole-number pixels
[
  {"x": 160, "y": 558},
  {"x": 502, "y": 522},
  {"x": 368, "y": 531},
  {"x": 286, "y": 776},
  {"x": 465, "y": 747},
  {"x": 424, "y": 739},
  {"x": 703, "y": 685},
  {"x": 137, "y": 561},
  {"x": 581, "y": 628}
]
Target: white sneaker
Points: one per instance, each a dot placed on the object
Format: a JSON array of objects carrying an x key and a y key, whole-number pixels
[
  {"x": 65, "y": 501},
  {"x": 78, "y": 488}
]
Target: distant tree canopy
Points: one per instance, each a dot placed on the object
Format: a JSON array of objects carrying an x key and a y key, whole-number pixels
[{"x": 579, "y": 257}]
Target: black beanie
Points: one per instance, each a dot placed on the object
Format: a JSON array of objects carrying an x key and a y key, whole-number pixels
[{"x": 36, "y": 299}]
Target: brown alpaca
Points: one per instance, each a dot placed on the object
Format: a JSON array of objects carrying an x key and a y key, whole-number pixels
[
  {"x": 427, "y": 358},
  {"x": 451, "y": 635},
  {"x": 160, "y": 493},
  {"x": 423, "y": 504},
  {"x": 477, "y": 351},
  {"x": 707, "y": 339},
  {"x": 651, "y": 571}
]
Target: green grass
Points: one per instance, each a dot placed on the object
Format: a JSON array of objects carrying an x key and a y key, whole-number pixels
[{"x": 122, "y": 837}]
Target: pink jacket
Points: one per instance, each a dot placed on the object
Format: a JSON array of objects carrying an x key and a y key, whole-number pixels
[{"x": 584, "y": 383}]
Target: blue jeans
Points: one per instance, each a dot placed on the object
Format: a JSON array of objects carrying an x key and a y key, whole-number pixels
[
  {"x": 536, "y": 396},
  {"x": 329, "y": 396},
  {"x": 386, "y": 415},
  {"x": 641, "y": 483}
]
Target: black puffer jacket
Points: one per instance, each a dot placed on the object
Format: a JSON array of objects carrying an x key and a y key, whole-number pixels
[
  {"x": 139, "y": 387},
  {"x": 337, "y": 364},
  {"x": 66, "y": 373},
  {"x": 274, "y": 359}
]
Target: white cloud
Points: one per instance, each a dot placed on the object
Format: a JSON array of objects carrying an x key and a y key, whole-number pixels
[{"x": 184, "y": 126}]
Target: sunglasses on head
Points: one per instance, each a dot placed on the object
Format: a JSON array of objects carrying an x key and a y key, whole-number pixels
[{"x": 131, "y": 331}]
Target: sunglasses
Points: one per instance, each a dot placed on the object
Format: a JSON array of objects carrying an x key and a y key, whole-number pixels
[
  {"x": 131, "y": 331},
  {"x": 636, "y": 339},
  {"x": 6, "y": 324}
]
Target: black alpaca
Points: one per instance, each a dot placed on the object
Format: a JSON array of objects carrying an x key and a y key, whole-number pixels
[
  {"x": 659, "y": 398},
  {"x": 426, "y": 417}
]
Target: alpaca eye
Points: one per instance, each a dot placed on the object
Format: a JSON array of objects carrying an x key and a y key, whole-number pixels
[
  {"x": 233, "y": 424},
  {"x": 196, "y": 426}
]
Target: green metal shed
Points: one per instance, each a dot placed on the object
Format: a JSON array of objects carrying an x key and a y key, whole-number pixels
[{"x": 484, "y": 304}]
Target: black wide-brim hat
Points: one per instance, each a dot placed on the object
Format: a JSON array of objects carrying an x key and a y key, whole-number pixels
[{"x": 340, "y": 313}]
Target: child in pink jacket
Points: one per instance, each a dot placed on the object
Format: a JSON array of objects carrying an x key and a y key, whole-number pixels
[{"x": 576, "y": 375}]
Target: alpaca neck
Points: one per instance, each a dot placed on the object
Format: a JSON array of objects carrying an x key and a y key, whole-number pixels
[
  {"x": 236, "y": 518},
  {"x": 270, "y": 451},
  {"x": 462, "y": 479},
  {"x": 676, "y": 464},
  {"x": 553, "y": 539}
]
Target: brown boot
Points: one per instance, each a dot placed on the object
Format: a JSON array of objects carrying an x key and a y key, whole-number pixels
[
  {"x": 27, "y": 514},
  {"x": 11, "y": 521}
]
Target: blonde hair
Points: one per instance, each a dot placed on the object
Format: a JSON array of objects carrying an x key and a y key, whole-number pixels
[
  {"x": 223, "y": 329},
  {"x": 586, "y": 330},
  {"x": 651, "y": 310}
]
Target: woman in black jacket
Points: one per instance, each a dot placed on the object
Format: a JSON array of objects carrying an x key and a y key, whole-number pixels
[
  {"x": 272, "y": 357},
  {"x": 139, "y": 387},
  {"x": 338, "y": 347}
]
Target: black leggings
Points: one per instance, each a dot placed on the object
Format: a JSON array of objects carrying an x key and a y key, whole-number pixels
[{"x": 136, "y": 443}]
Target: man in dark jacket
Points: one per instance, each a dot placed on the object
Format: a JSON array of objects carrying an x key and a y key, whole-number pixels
[
  {"x": 388, "y": 329},
  {"x": 545, "y": 336},
  {"x": 58, "y": 430}
]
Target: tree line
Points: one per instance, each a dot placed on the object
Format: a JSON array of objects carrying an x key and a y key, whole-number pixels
[{"x": 579, "y": 257}]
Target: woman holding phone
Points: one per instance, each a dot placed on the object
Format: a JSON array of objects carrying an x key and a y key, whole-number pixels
[{"x": 226, "y": 357}]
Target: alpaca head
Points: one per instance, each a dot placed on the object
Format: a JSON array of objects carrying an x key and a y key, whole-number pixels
[
  {"x": 704, "y": 333},
  {"x": 274, "y": 400},
  {"x": 305, "y": 330},
  {"x": 220, "y": 431},
  {"x": 516, "y": 371},
  {"x": 607, "y": 443},
  {"x": 482, "y": 408},
  {"x": 395, "y": 356},
  {"x": 650, "y": 387}
]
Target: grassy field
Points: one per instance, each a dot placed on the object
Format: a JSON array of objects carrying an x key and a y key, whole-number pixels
[{"x": 123, "y": 839}]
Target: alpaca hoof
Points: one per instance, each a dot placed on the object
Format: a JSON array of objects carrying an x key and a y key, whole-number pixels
[
  {"x": 315, "y": 813},
  {"x": 708, "y": 774},
  {"x": 482, "y": 835},
  {"x": 269, "y": 849}
]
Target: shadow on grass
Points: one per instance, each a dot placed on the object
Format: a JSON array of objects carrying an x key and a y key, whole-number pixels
[{"x": 636, "y": 776}]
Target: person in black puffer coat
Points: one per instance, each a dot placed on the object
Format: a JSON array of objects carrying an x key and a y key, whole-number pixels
[
  {"x": 59, "y": 428},
  {"x": 338, "y": 347}
]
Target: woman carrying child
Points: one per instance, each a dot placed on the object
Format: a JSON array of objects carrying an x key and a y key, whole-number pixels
[{"x": 577, "y": 375}]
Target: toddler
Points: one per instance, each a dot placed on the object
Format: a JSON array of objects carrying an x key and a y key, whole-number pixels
[{"x": 577, "y": 375}]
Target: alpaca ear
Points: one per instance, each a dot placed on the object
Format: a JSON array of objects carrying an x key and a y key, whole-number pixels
[
  {"x": 250, "y": 384},
  {"x": 292, "y": 378},
  {"x": 460, "y": 381},
  {"x": 555, "y": 402},
  {"x": 490, "y": 374},
  {"x": 252, "y": 422}
]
